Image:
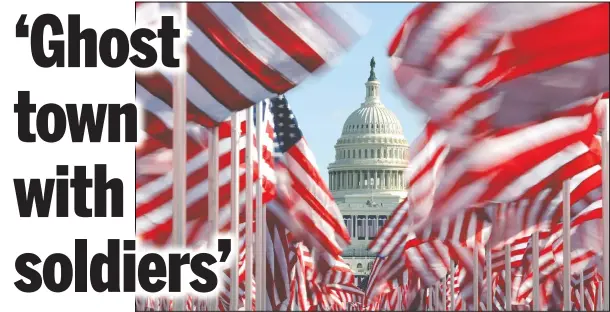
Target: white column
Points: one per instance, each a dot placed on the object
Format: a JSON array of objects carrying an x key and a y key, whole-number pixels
[
  {"x": 376, "y": 179},
  {"x": 387, "y": 180},
  {"x": 400, "y": 180},
  {"x": 339, "y": 180}
]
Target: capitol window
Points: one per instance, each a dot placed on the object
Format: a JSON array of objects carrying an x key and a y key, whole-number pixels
[
  {"x": 372, "y": 227},
  {"x": 361, "y": 227},
  {"x": 349, "y": 223},
  {"x": 381, "y": 221}
]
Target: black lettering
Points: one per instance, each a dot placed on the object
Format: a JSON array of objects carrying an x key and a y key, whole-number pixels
[
  {"x": 115, "y": 186},
  {"x": 37, "y": 42},
  {"x": 74, "y": 39},
  {"x": 42, "y": 123},
  {"x": 203, "y": 272},
  {"x": 25, "y": 199},
  {"x": 137, "y": 42},
  {"x": 80, "y": 265},
  {"x": 93, "y": 122},
  {"x": 24, "y": 108},
  {"x": 112, "y": 260},
  {"x": 21, "y": 29},
  {"x": 145, "y": 273},
  {"x": 106, "y": 48},
  {"x": 176, "y": 261},
  {"x": 129, "y": 266},
  {"x": 130, "y": 111},
  {"x": 21, "y": 265},
  {"x": 62, "y": 192},
  {"x": 80, "y": 183},
  {"x": 48, "y": 272},
  {"x": 167, "y": 33},
  {"x": 224, "y": 246}
]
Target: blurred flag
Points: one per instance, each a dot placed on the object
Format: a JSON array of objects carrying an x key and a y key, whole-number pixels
[
  {"x": 242, "y": 53},
  {"x": 483, "y": 66},
  {"x": 154, "y": 189}
]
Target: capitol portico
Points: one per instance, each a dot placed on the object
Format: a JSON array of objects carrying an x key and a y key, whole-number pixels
[{"x": 367, "y": 177}]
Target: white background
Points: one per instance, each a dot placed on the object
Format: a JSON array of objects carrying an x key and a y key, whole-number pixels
[{"x": 45, "y": 236}]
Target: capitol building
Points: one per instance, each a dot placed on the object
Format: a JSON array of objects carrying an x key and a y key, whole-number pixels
[{"x": 367, "y": 178}]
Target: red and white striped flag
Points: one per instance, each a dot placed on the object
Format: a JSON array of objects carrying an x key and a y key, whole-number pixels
[
  {"x": 481, "y": 66},
  {"x": 242, "y": 53},
  {"x": 154, "y": 191},
  {"x": 304, "y": 204}
]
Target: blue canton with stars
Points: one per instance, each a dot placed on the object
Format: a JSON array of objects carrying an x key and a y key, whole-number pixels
[{"x": 287, "y": 132}]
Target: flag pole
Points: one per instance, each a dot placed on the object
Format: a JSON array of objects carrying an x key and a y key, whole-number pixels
[
  {"x": 444, "y": 294},
  {"x": 566, "y": 245},
  {"x": 507, "y": 278},
  {"x": 488, "y": 276},
  {"x": 582, "y": 291},
  {"x": 213, "y": 196},
  {"x": 452, "y": 285},
  {"x": 437, "y": 299},
  {"x": 260, "y": 260},
  {"x": 606, "y": 211},
  {"x": 535, "y": 270},
  {"x": 249, "y": 208},
  {"x": 475, "y": 276},
  {"x": 235, "y": 133},
  {"x": 179, "y": 154}
]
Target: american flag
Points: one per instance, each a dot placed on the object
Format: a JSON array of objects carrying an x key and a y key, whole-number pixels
[
  {"x": 154, "y": 190},
  {"x": 306, "y": 206},
  {"x": 241, "y": 53},
  {"x": 485, "y": 66}
]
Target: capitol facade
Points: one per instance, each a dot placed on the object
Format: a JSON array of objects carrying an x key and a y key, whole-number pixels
[{"x": 367, "y": 178}]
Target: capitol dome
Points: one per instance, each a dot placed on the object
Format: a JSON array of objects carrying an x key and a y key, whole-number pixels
[
  {"x": 372, "y": 153},
  {"x": 372, "y": 118}
]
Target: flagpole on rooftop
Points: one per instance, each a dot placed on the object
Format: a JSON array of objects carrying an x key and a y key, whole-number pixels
[
  {"x": 260, "y": 216},
  {"x": 179, "y": 153},
  {"x": 235, "y": 134},
  {"x": 249, "y": 208},
  {"x": 566, "y": 245}
]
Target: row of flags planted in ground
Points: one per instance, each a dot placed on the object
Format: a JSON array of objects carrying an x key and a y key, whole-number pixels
[{"x": 515, "y": 96}]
